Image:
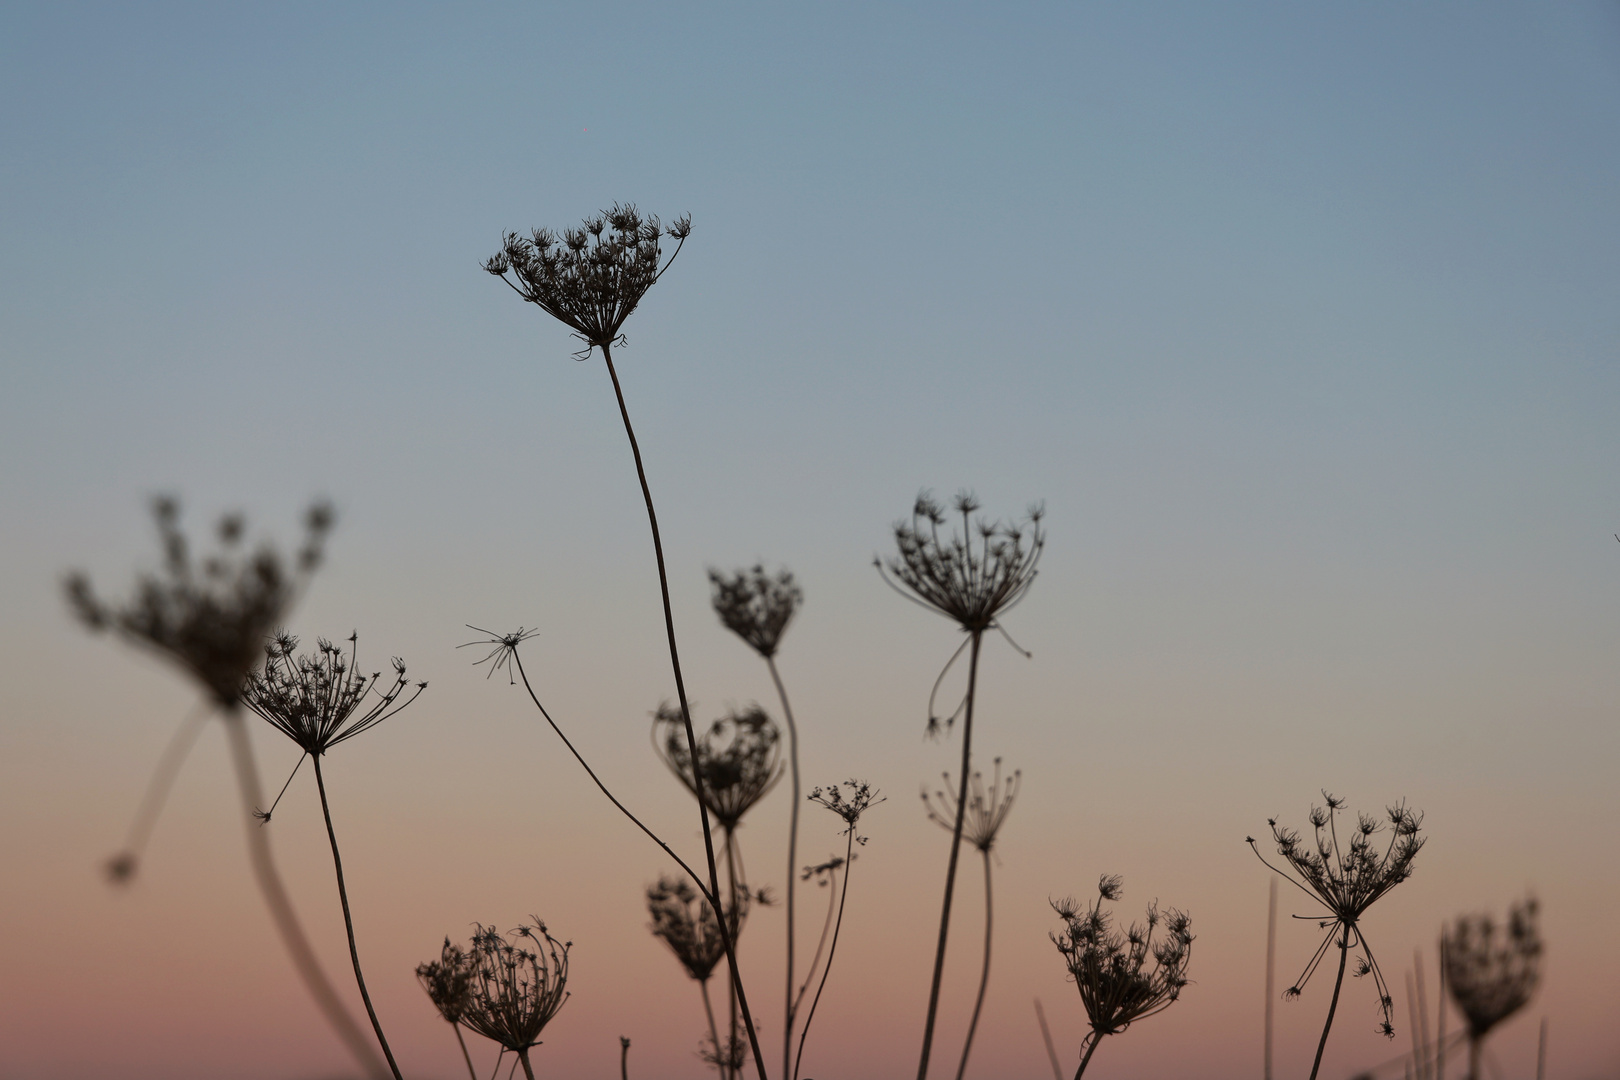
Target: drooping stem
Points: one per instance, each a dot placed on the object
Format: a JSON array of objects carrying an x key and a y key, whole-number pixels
[
  {"x": 793, "y": 854},
  {"x": 686, "y": 718},
  {"x": 281, "y": 910},
  {"x": 348, "y": 921},
  {"x": 984, "y": 975},
  {"x": 950, "y": 872},
  {"x": 849, "y": 851},
  {"x": 523, "y": 1056},
  {"x": 1091, "y": 1040},
  {"x": 1338, "y": 983},
  {"x": 468, "y": 1057}
]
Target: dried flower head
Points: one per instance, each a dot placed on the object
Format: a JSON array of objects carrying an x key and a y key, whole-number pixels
[
  {"x": 316, "y": 699},
  {"x": 517, "y": 984},
  {"x": 1110, "y": 968},
  {"x": 448, "y": 981},
  {"x": 685, "y": 922},
  {"x": 860, "y": 798},
  {"x": 969, "y": 583},
  {"x": 986, "y": 809},
  {"x": 1347, "y": 879},
  {"x": 739, "y": 757},
  {"x": 210, "y": 618},
  {"x": 756, "y": 606},
  {"x": 1491, "y": 970},
  {"x": 503, "y": 650},
  {"x": 592, "y": 277}
]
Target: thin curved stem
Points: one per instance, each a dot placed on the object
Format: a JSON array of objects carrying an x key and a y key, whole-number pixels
[
  {"x": 348, "y": 922},
  {"x": 1344, "y": 955},
  {"x": 849, "y": 850},
  {"x": 465, "y": 1056},
  {"x": 793, "y": 855},
  {"x": 163, "y": 777},
  {"x": 950, "y": 873},
  {"x": 1091, "y": 1041},
  {"x": 686, "y": 716},
  {"x": 1046, "y": 1037},
  {"x": 826, "y": 928},
  {"x": 281, "y": 909},
  {"x": 984, "y": 976}
]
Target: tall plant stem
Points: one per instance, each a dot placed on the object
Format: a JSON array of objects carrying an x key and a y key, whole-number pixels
[
  {"x": 1046, "y": 1037},
  {"x": 720, "y": 1056},
  {"x": 849, "y": 851},
  {"x": 1440, "y": 1020},
  {"x": 984, "y": 975},
  {"x": 1271, "y": 974},
  {"x": 793, "y": 855},
  {"x": 686, "y": 719},
  {"x": 466, "y": 1056},
  {"x": 348, "y": 921},
  {"x": 281, "y": 909},
  {"x": 732, "y": 858},
  {"x": 1475, "y": 1045},
  {"x": 950, "y": 872},
  {"x": 1091, "y": 1041},
  {"x": 523, "y": 1056},
  {"x": 1338, "y": 984}
]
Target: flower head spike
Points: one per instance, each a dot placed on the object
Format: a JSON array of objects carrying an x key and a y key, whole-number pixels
[
  {"x": 756, "y": 606},
  {"x": 739, "y": 757},
  {"x": 986, "y": 810},
  {"x": 1111, "y": 967},
  {"x": 592, "y": 277},
  {"x": 1347, "y": 878},
  {"x": 448, "y": 981},
  {"x": 211, "y": 618},
  {"x": 686, "y": 923},
  {"x": 517, "y": 983},
  {"x": 321, "y": 699},
  {"x": 1492, "y": 970},
  {"x": 503, "y": 649}
]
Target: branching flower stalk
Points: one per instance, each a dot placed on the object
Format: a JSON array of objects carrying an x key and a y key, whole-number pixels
[
  {"x": 973, "y": 585},
  {"x": 1491, "y": 971},
  {"x": 757, "y": 607},
  {"x": 1107, "y": 966},
  {"x": 318, "y": 701},
  {"x": 987, "y": 811},
  {"x": 212, "y": 619},
  {"x": 860, "y": 797},
  {"x": 1347, "y": 881},
  {"x": 590, "y": 279}
]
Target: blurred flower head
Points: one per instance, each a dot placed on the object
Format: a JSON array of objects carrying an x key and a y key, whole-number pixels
[
  {"x": 320, "y": 699},
  {"x": 590, "y": 278},
  {"x": 756, "y": 606},
  {"x": 1117, "y": 984},
  {"x": 986, "y": 810},
  {"x": 739, "y": 758},
  {"x": 212, "y": 617},
  {"x": 448, "y": 981},
  {"x": 1492, "y": 970},
  {"x": 685, "y": 922}
]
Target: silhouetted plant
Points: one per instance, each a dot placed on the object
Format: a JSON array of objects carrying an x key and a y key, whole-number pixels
[
  {"x": 849, "y": 801},
  {"x": 973, "y": 585},
  {"x": 1491, "y": 971},
  {"x": 685, "y": 922},
  {"x": 591, "y": 279},
  {"x": 518, "y": 982},
  {"x": 757, "y": 607},
  {"x": 1347, "y": 881},
  {"x": 448, "y": 982},
  {"x": 986, "y": 812},
  {"x": 1107, "y": 966},
  {"x": 318, "y": 701},
  {"x": 211, "y": 618}
]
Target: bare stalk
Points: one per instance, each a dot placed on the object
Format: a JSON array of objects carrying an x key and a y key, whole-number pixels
[
  {"x": 281, "y": 910},
  {"x": 523, "y": 1056},
  {"x": 984, "y": 975},
  {"x": 686, "y": 718},
  {"x": 1271, "y": 974},
  {"x": 1338, "y": 983},
  {"x": 1046, "y": 1037},
  {"x": 793, "y": 854},
  {"x": 849, "y": 851},
  {"x": 348, "y": 922},
  {"x": 720, "y": 1057},
  {"x": 466, "y": 1056},
  {"x": 1091, "y": 1040},
  {"x": 950, "y": 872}
]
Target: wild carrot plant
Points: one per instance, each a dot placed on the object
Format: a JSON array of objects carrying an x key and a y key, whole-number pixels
[
  {"x": 448, "y": 982},
  {"x": 517, "y": 982},
  {"x": 972, "y": 578},
  {"x": 590, "y": 279},
  {"x": 212, "y": 619},
  {"x": 987, "y": 811},
  {"x": 1491, "y": 970},
  {"x": 1346, "y": 879},
  {"x": 1107, "y": 966},
  {"x": 318, "y": 701},
  {"x": 757, "y": 607},
  {"x": 685, "y": 922}
]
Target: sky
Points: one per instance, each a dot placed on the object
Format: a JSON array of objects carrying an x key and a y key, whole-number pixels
[{"x": 1299, "y": 319}]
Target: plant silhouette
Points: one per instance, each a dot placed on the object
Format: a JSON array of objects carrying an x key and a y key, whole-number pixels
[
  {"x": 1491, "y": 971},
  {"x": 517, "y": 981},
  {"x": 685, "y": 922},
  {"x": 448, "y": 982}
]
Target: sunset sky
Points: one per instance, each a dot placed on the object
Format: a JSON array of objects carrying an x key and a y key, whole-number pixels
[{"x": 1301, "y": 319}]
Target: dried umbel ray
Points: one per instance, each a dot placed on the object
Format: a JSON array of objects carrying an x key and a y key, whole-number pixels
[
  {"x": 1491, "y": 970},
  {"x": 1110, "y": 968},
  {"x": 738, "y": 757}
]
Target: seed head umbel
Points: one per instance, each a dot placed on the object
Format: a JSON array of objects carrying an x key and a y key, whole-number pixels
[
  {"x": 756, "y": 606},
  {"x": 849, "y": 801},
  {"x": 518, "y": 982},
  {"x": 448, "y": 981},
  {"x": 739, "y": 757},
  {"x": 971, "y": 576},
  {"x": 210, "y": 617},
  {"x": 987, "y": 808},
  {"x": 321, "y": 699},
  {"x": 1111, "y": 968},
  {"x": 685, "y": 922},
  {"x": 590, "y": 278},
  {"x": 1492, "y": 970}
]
